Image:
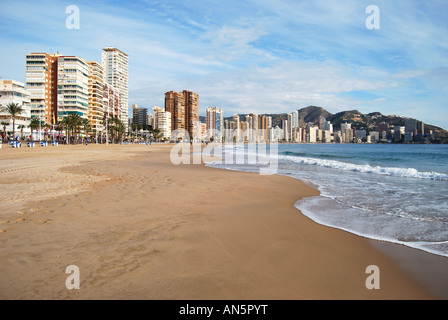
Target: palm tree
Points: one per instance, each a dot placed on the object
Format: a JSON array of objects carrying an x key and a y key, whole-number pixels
[
  {"x": 74, "y": 122},
  {"x": 66, "y": 123},
  {"x": 34, "y": 125},
  {"x": 120, "y": 128},
  {"x": 14, "y": 109},
  {"x": 59, "y": 129}
]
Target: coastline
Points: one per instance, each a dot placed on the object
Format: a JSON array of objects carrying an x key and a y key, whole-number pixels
[{"x": 224, "y": 234}]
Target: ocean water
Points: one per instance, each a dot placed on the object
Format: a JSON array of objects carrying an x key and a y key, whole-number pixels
[{"x": 393, "y": 193}]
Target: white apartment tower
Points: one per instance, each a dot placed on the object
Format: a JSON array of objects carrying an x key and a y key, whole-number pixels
[
  {"x": 162, "y": 121},
  {"x": 73, "y": 87},
  {"x": 115, "y": 71}
]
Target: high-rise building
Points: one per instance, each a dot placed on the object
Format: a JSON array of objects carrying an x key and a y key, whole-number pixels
[
  {"x": 115, "y": 68},
  {"x": 155, "y": 122},
  {"x": 290, "y": 127},
  {"x": 73, "y": 87},
  {"x": 139, "y": 115},
  {"x": 215, "y": 123},
  {"x": 41, "y": 83},
  {"x": 162, "y": 122},
  {"x": 12, "y": 91},
  {"x": 96, "y": 91},
  {"x": 175, "y": 104},
  {"x": 184, "y": 109},
  {"x": 322, "y": 123},
  {"x": 295, "y": 119},
  {"x": 191, "y": 100},
  {"x": 346, "y": 132}
]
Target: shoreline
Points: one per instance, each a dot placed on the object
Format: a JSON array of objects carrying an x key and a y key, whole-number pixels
[{"x": 226, "y": 235}]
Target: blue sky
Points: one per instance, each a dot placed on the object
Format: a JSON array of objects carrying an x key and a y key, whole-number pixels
[{"x": 258, "y": 56}]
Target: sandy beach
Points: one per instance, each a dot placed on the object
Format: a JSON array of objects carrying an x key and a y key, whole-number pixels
[{"x": 139, "y": 227}]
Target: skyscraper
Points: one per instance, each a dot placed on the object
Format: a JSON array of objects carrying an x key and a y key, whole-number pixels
[
  {"x": 115, "y": 67},
  {"x": 41, "y": 82}
]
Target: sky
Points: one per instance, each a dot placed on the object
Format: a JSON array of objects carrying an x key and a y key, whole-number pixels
[{"x": 254, "y": 56}]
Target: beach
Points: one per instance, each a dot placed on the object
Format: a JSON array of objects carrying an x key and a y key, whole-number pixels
[{"x": 139, "y": 227}]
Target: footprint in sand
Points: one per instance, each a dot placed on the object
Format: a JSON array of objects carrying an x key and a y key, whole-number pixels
[
  {"x": 44, "y": 221},
  {"x": 19, "y": 220},
  {"x": 4, "y": 222},
  {"x": 2, "y": 231}
]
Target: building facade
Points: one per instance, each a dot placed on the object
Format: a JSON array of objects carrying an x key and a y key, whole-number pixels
[
  {"x": 112, "y": 102},
  {"x": 73, "y": 87},
  {"x": 139, "y": 116},
  {"x": 95, "y": 101},
  {"x": 41, "y": 83},
  {"x": 162, "y": 122},
  {"x": 12, "y": 91}
]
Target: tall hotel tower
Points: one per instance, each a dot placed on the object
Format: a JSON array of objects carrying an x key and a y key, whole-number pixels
[
  {"x": 115, "y": 68},
  {"x": 42, "y": 82}
]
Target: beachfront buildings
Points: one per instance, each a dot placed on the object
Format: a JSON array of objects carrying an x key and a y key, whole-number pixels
[
  {"x": 12, "y": 91},
  {"x": 41, "y": 82},
  {"x": 73, "y": 87},
  {"x": 95, "y": 97},
  {"x": 115, "y": 72}
]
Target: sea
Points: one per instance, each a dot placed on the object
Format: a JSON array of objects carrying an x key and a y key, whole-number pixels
[{"x": 389, "y": 192}]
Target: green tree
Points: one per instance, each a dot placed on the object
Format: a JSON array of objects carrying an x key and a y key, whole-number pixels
[{"x": 14, "y": 109}]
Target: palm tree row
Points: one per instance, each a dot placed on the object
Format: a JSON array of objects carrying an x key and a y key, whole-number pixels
[
  {"x": 73, "y": 124},
  {"x": 115, "y": 128}
]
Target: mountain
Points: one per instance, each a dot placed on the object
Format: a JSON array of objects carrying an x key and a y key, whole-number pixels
[{"x": 312, "y": 114}]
